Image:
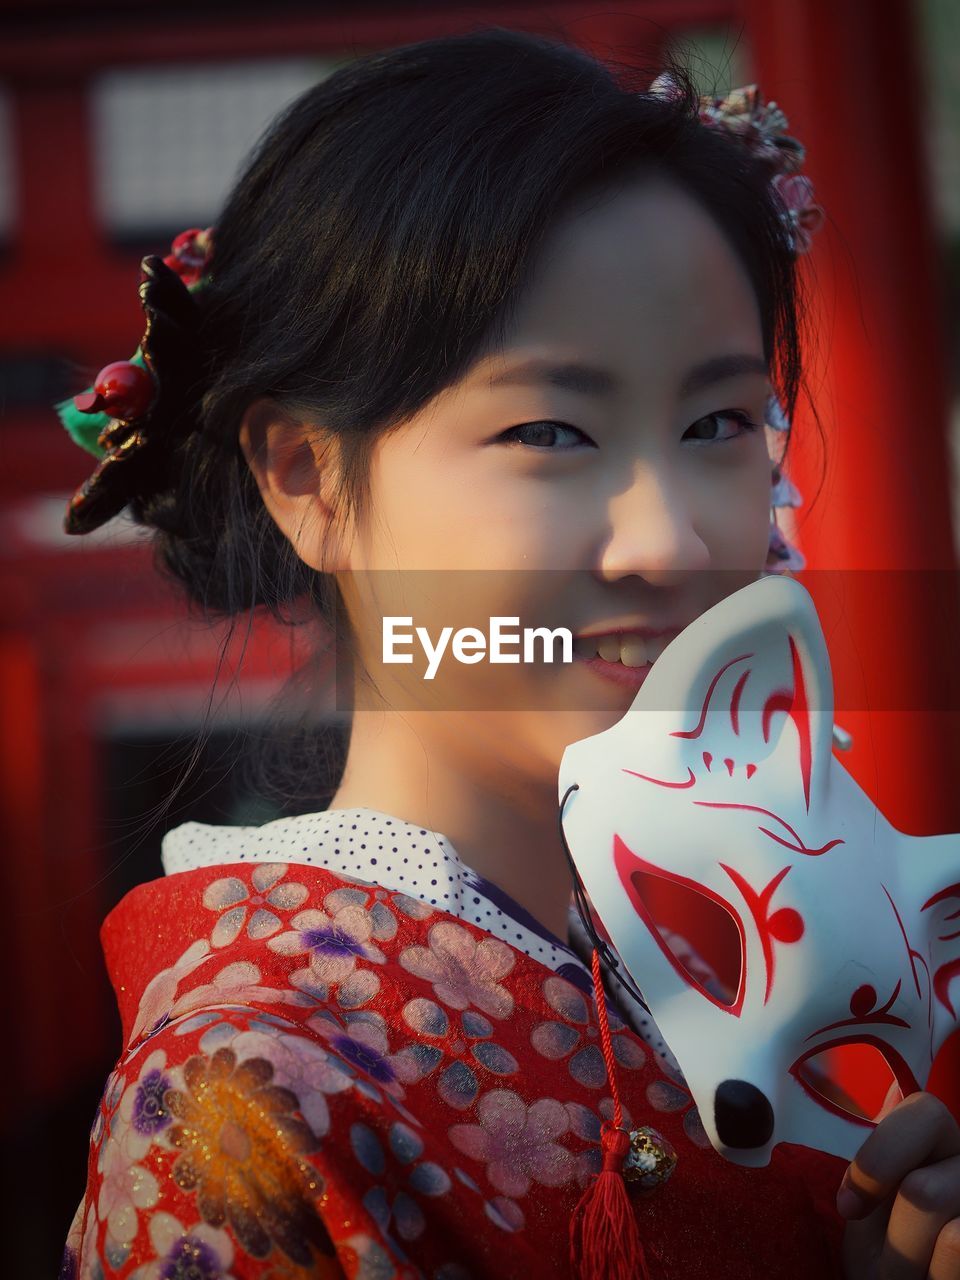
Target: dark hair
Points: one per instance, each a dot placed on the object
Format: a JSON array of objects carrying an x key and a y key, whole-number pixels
[{"x": 379, "y": 237}]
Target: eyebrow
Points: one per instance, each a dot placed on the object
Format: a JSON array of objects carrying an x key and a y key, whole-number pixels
[{"x": 592, "y": 381}]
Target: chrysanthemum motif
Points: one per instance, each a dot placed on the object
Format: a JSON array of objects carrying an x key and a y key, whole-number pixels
[
  {"x": 464, "y": 971},
  {"x": 242, "y": 1151},
  {"x": 299, "y": 1064},
  {"x": 264, "y": 897},
  {"x": 518, "y": 1144}
]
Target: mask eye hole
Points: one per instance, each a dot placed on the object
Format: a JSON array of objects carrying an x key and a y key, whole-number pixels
[
  {"x": 855, "y": 1078},
  {"x": 687, "y": 919}
]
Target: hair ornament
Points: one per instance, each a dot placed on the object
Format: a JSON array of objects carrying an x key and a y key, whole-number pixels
[
  {"x": 784, "y": 492},
  {"x": 775, "y": 417},
  {"x": 762, "y": 128},
  {"x": 135, "y": 407},
  {"x": 190, "y": 254},
  {"x": 802, "y": 215},
  {"x": 782, "y": 555}
]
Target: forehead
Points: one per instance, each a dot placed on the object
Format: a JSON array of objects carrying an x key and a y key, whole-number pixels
[{"x": 642, "y": 275}]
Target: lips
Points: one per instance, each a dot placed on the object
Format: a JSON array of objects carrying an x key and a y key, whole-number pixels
[
  {"x": 616, "y": 672},
  {"x": 624, "y": 657},
  {"x": 629, "y": 648}
]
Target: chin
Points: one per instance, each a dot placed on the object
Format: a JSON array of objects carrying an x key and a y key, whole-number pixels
[{"x": 560, "y": 728}]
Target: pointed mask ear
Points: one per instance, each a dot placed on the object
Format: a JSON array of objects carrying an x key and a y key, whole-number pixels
[
  {"x": 747, "y": 681},
  {"x": 294, "y": 465}
]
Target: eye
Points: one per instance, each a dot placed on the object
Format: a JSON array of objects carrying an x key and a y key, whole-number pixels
[
  {"x": 747, "y": 425},
  {"x": 546, "y": 436}
]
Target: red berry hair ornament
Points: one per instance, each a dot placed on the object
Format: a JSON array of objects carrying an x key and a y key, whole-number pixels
[
  {"x": 137, "y": 408},
  {"x": 190, "y": 254}
]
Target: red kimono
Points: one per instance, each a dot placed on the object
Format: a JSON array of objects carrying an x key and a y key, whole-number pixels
[{"x": 324, "y": 1077}]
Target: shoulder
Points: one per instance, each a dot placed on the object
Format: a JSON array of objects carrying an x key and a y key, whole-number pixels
[
  {"x": 248, "y": 930},
  {"x": 227, "y": 1131},
  {"x": 318, "y": 1063},
  {"x": 221, "y": 1143}
]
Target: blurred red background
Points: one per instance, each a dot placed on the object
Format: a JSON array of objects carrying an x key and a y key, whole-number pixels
[{"x": 120, "y": 125}]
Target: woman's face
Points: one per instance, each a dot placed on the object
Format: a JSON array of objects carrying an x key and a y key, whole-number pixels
[{"x": 632, "y": 497}]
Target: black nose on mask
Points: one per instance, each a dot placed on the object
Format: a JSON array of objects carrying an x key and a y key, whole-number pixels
[{"x": 743, "y": 1116}]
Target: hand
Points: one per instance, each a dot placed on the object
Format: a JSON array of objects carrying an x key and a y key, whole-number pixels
[{"x": 907, "y": 1178}]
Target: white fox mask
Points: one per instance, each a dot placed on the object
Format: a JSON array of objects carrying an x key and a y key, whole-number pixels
[{"x": 721, "y": 780}]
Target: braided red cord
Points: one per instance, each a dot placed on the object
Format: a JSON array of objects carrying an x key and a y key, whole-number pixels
[
  {"x": 605, "y": 1240},
  {"x": 606, "y": 1045}
]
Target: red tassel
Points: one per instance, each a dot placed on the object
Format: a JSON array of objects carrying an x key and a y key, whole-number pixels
[{"x": 604, "y": 1240}]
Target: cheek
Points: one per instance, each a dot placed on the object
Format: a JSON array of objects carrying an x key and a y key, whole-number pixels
[
  {"x": 736, "y": 516},
  {"x": 456, "y": 512}
]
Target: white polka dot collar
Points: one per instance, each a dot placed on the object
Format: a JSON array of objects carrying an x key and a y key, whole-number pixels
[
  {"x": 378, "y": 847},
  {"x": 423, "y": 864}
]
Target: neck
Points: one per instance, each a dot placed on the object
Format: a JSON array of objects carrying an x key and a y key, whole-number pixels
[{"x": 500, "y": 818}]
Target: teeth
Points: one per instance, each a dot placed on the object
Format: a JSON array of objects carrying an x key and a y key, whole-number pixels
[
  {"x": 633, "y": 651},
  {"x": 629, "y": 649},
  {"x": 656, "y": 646}
]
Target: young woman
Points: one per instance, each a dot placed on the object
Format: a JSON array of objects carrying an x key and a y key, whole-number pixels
[{"x": 484, "y": 331}]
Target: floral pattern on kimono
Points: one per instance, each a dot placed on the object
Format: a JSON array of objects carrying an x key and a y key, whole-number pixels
[{"x": 323, "y": 1077}]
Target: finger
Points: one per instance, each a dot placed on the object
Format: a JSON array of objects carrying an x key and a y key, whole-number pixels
[
  {"x": 920, "y": 1130},
  {"x": 928, "y": 1199},
  {"x": 893, "y": 1099},
  {"x": 863, "y": 1241},
  {"x": 945, "y": 1264}
]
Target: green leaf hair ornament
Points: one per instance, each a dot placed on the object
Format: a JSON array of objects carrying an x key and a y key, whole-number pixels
[{"x": 131, "y": 416}]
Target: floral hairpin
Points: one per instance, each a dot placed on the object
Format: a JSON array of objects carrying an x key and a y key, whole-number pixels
[
  {"x": 762, "y": 128},
  {"x": 782, "y": 556},
  {"x": 120, "y": 419}
]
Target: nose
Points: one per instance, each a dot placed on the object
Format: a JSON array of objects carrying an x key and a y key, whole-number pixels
[
  {"x": 743, "y": 1115},
  {"x": 652, "y": 530}
]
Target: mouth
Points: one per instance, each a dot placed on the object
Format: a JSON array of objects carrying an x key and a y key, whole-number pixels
[{"x": 623, "y": 657}]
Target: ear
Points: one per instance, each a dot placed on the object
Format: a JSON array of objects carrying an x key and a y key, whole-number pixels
[{"x": 294, "y": 465}]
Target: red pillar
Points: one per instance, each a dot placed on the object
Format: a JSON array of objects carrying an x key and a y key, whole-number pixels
[
  {"x": 847, "y": 73},
  {"x": 63, "y": 266}
]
